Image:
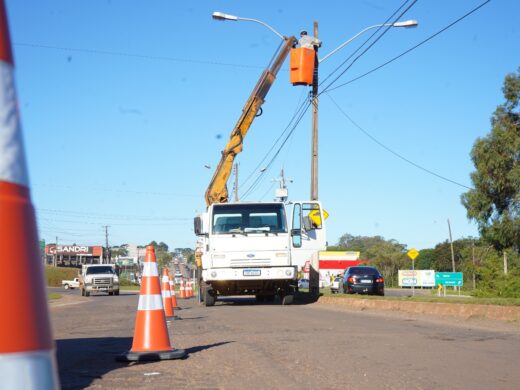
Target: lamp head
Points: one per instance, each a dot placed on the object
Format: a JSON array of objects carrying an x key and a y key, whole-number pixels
[{"x": 406, "y": 23}]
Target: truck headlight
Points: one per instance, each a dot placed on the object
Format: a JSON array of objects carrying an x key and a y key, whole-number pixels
[
  {"x": 281, "y": 254},
  {"x": 213, "y": 274},
  {"x": 288, "y": 272},
  {"x": 219, "y": 257}
]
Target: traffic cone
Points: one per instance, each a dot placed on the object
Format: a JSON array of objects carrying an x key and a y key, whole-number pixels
[
  {"x": 174, "y": 297},
  {"x": 27, "y": 351},
  {"x": 151, "y": 340},
  {"x": 166, "y": 294},
  {"x": 182, "y": 290},
  {"x": 190, "y": 288}
]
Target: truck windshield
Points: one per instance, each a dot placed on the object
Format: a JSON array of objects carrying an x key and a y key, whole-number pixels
[
  {"x": 249, "y": 218},
  {"x": 100, "y": 270}
]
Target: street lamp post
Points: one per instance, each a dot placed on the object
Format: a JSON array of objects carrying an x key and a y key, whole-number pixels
[{"x": 314, "y": 93}]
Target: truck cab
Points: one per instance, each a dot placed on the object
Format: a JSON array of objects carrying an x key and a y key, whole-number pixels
[{"x": 253, "y": 248}]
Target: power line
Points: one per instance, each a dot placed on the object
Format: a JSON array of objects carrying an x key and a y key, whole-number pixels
[
  {"x": 412, "y": 48},
  {"x": 364, "y": 43},
  {"x": 135, "y": 55},
  {"x": 392, "y": 151},
  {"x": 79, "y": 214}
]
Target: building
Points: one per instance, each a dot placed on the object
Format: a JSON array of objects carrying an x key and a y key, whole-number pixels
[
  {"x": 74, "y": 255},
  {"x": 334, "y": 263}
]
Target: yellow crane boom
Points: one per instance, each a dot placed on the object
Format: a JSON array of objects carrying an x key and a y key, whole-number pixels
[{"x": 217, "y": 191}]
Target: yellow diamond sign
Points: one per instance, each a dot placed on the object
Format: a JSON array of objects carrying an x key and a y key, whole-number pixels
[
  {"x": 413, "y": 253},
  {"x": 315, "y": 217}
]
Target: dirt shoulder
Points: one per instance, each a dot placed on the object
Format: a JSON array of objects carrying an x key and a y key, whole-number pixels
[{"x": 466, "y": 311}]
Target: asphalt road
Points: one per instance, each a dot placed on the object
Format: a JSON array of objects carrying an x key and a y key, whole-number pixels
[{"x": 239, "y": 344}]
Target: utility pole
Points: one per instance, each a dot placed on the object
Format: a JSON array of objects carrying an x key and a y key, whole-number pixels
[
  {"x": 106, "y": 240},
  {"x": 505, "y": 263},
  {"x": 451, "y": 244},
  {"x": 236, "y": 182},
  {"x": 314, "y": 100},
  {"x": 282, "y": 192},
  {"x": 56, "y": 253}
]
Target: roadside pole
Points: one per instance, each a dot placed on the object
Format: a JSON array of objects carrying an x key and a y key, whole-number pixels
[{"x": 412, "y": 254}]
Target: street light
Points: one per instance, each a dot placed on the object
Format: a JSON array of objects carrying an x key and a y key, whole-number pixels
[
  {"x": 222, "y": 16},
  {"x": 406, "y": 24}
]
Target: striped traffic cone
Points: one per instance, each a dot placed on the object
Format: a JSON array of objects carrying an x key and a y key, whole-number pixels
[
  {"x": 166, "y": 294},
  {"x": 27, "y": 355},
  {"x": 151, "y": 340},
  {"x": 190, "y": 288},
  {"x": 182, "y": 290},
  {"x": 174, "y": 296}
]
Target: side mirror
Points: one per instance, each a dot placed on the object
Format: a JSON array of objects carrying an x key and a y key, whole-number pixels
[{"x": 197, "y": 226}]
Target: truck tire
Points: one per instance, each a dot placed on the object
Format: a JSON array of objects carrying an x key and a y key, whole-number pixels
[
  {"x": 260, "y": 298},
  {"x": 66, "y": 286},
  {"x": 270, "y": 298},
  {"x": 209, "y": 299},
  {"x": 116, "y": 292},
  {"x": 82, "y": 292},
  {"x": 87, "y": 293},
  {"x": 287, "y": 299},
  {"x": 110, "y": 293}
]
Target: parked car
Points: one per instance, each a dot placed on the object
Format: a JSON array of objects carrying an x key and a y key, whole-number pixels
[
  {"x": 336, "y": 284},
  {"x": 74, "y": 283},
  {"x": 303, "y": 283},
  {"x": 363, "y": 280}
]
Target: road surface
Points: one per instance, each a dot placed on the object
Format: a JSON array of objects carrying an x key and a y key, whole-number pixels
[{"x": 239, "y": 344}]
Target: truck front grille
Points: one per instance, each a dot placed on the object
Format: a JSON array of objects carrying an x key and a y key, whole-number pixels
[
  {"x": 250, "y": 262},
  {"x": 101, "y": 281}
]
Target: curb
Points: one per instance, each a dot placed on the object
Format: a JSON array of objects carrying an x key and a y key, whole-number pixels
[{"x": 491, "y": 312}]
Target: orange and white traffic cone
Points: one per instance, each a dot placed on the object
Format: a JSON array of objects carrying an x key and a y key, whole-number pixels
[
  {"x": 174, "y": 296},
  {"x": 27, "y": 355},
  {"x": 151, "y": 340},
  {"x": 190, "y": 288},
  {"x": 166, "y": 294},
  {"x": 182, "y": 290}
]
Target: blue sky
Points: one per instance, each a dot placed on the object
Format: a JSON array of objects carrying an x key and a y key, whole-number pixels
[{"x": 123, "y": 103}]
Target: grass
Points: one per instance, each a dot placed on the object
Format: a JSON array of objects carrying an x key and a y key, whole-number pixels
[
  {"x": 54, "y": 275},
  {"x": 432, "y": 299},
  {"x": 53, "y": 296}
]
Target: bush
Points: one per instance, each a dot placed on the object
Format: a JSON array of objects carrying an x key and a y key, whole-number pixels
[
  {"x": 126, "y": 282},
  {"x": 505, "y": 286},
  {"x": 54, "y": 275}
]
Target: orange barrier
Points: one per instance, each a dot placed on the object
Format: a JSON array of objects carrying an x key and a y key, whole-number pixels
[
  {"x": 151, "y": 340},
  {"x": 166, "y": 294},
  {"x": 27, "y": 355}
]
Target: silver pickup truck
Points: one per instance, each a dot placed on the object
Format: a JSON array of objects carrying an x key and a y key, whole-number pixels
[{"x": 98, "y": 278}]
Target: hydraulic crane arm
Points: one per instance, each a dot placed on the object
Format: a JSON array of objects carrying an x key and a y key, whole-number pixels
[{"x": 217, "y": 190}]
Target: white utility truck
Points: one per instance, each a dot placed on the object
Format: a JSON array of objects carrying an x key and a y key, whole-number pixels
[
  {"x": 98, "y": 278},
  {"x": 254, "y": 249}
]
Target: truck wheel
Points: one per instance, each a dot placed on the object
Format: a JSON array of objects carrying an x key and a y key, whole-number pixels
[
  {"x": 287, "y": 299},
  {"x": 260, "y": 298},
  {"x": 87, "y": 293},
  {"x": 201, "y": 294},
  {"x": 82, "y": 292},
  {"x": 209, "y": 299},
  {"x": 116, "y": 292},
  {"x": 66, "y": 286},
  {"x": 110, "y": 293},
  {"x": 270, "y": 298}
]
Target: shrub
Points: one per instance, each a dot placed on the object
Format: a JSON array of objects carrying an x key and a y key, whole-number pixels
[{"x": 54, "y": 275}]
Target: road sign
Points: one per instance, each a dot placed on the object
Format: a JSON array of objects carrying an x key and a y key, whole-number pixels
[
  {"x": 413, "y": 253},
  {"x": 449, "y": 278},
  {"x": 315, "y": 217}
]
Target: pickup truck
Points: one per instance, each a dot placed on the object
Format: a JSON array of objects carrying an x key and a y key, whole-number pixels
[
  {"x": 98, "y": 278},
  {"x": 74, "y": 283}
]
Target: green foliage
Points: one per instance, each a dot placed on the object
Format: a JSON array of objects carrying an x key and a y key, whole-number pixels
[
  {"x": 387, "y": 255},
  {"x": 425, "y": 259},
  {"x": 54, "y": 275},
  {"x": 494, "y": 203},
  {"x": 126, "y": 282}
]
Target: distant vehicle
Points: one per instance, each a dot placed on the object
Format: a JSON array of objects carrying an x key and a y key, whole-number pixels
[
  {"x": 363, "y": 280},
  {"x": 335, "y": 286},
  {"x": 98, "y": 278},
  {"x": 303, "y": 283},
  {"x": 72, "y": 284}
]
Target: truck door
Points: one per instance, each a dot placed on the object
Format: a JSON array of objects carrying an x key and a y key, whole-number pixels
[{"x": 308, "y": 234}]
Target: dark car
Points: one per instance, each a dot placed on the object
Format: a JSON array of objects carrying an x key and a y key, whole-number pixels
[{"x": 363, "y": 280}]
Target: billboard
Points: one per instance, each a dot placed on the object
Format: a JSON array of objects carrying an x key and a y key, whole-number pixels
[
  {"x": 73, "y": 250},
  {"x": 416, "y": 278}
]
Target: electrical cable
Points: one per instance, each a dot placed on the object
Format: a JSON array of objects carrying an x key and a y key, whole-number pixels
[
  {"x": 369, "y": 47},
  {"x": 364, "y": 43},
  {"x": 412, "y": 48},
  {"x": 392, "y": 151},
  {"x": 135, "y": 55}
]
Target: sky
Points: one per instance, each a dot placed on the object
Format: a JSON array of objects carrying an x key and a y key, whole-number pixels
[{"x": 124, "y": 104}]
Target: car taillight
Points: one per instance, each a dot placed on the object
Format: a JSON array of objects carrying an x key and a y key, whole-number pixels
[
  {"x": 380, "y": 280},
  {"x": 350, "y": 279}
]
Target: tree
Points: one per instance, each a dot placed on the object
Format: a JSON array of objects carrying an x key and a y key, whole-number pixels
[{"x": 494, "y": 203}]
